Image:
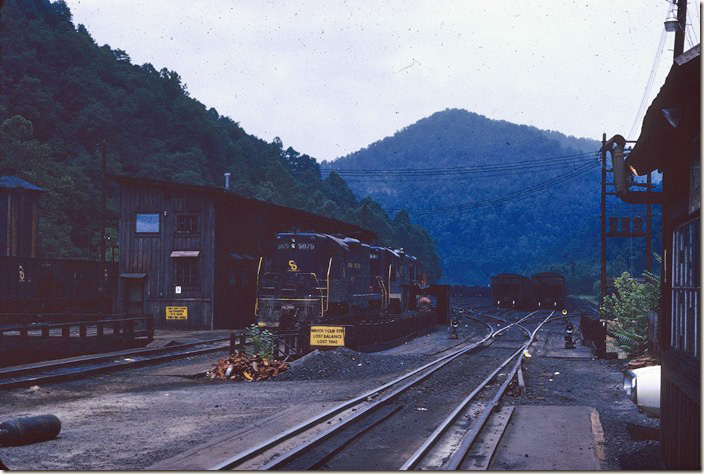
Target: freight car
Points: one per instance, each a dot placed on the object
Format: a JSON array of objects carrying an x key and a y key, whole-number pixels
[
  {"x": 52, "y": 285},
  {"x": 549, "y": 290},
  {"x": 314, "y": 277},
  {"x": 509, "y": 290}
]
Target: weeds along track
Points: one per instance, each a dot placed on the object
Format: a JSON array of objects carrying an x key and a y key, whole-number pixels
[{"x": 406, "y": 422}]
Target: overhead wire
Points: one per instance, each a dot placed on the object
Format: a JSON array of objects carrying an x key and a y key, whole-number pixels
[
  {"x": 649, "y": 84},
  {"x": 487, "y": 173},
  {"x": 425, "y": 173},
  {"x": 510, "y": 196}
]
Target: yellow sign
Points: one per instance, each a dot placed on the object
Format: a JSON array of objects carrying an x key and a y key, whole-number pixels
[
  {"x": 177, "y": 312},
  {"x": 292, "y": 267},
  {"x": 564, "y": 311},
  {"x": 327, "y": 336}
]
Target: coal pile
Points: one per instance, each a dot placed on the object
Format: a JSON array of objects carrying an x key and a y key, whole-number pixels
[{"x": 344, "y": 363}]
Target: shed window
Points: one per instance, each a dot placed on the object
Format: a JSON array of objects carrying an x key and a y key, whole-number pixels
[
  {"x": 147, "y": 223},
  {"x": 685, "y": 289},
  {"x": 186, "y": 272},
  {"x": 187, "y": 223}
]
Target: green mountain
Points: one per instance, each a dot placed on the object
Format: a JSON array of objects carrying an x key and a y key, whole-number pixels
[
  {"x": 62, "y": 96},
  {"x": 495, "y": 196}
]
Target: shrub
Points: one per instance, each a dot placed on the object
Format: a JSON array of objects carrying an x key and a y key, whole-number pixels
[
  {"x": 629, "y": 307},
  {"x": 262, "y": 340}
]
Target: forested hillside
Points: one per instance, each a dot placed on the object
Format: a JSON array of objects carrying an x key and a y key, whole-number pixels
[
  {"x": 62, "y": 96},
  {"x": 496, "y": 197}
]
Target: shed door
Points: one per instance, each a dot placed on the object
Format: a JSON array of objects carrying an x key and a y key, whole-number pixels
[
  {"x": 241, "y": 292},
  {"x": 134, "y": 295}
]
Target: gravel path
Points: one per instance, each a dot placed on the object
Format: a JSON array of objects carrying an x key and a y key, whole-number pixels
[{"x": 599, "y": 384}]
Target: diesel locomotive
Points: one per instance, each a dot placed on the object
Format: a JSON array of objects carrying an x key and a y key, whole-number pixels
[{"x": 313, "y": 278}]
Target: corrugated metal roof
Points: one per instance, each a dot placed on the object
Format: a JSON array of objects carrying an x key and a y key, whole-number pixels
[{"x": 13, "y": 182}]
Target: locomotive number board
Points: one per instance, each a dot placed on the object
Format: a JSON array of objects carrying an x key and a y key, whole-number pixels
[{"x": 330, "y": 336}]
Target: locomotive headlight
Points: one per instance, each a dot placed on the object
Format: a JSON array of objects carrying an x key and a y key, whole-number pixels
[{"x": 538, "y": 303}]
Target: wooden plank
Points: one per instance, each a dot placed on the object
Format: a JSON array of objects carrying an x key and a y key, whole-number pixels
[{"x": 480, "y": 455}]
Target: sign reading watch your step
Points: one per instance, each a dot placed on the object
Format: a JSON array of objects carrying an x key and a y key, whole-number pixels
[{"x": 330, "y": 336}]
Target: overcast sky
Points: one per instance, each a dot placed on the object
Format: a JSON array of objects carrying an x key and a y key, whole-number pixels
[{"x": 330, "y": 77}]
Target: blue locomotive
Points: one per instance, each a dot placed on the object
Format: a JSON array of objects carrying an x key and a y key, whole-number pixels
[{"x": 320, "y": 278}]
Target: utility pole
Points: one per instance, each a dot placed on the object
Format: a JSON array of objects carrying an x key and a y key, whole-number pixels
[
  {"x": 602, "y": 294},
  {"x": 681, "y": 25},
  {"x": 104, "y": 201},
  {"x": 648, "y": 227}
]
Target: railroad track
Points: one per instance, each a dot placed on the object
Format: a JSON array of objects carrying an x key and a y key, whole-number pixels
[
  {"x": 84, "y": 366},
  {"x": 327, "y": 440}
]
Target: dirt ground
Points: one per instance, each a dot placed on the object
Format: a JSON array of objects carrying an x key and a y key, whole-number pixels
[
  {"x": 132, "y": 419},
  {"x": 135, "y": 418}
]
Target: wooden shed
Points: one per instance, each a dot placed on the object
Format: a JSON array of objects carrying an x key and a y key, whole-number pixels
[
  {"x": 19, "y": 201},
  {"x": 670, "y": 142},
  {"x": 189, "y": 254}
]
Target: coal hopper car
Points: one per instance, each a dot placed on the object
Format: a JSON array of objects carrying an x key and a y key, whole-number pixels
[
  {"x": 549, "y": 290},
  {"x": 509, "y": 290}
]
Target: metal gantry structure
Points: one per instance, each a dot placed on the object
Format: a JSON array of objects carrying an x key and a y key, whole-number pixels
[{"x": 626, "y": 230}]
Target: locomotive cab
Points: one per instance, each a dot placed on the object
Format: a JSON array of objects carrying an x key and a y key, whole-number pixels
[{"x": 293, "y": 285}]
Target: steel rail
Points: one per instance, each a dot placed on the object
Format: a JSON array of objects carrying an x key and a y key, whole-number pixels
[
  {"x": 314, "y": 441},
  {"x": 452, "y": 417},
  {"x": 320, "y": 437},
  {"x": 112, "y": 360},
  {"x": 250, "y": 453},
  {"x": 468, "y": 439}
]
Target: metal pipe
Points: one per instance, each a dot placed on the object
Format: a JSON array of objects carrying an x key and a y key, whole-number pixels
[{"x": 621, "y": 177}]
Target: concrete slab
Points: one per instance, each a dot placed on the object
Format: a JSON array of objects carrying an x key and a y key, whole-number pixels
[{"x": 544, "y": 438}]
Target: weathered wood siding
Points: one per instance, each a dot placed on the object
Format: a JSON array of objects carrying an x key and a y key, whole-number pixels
[
  {"x": 151, "y": 253},
  {"x": 680, "y": 397}
]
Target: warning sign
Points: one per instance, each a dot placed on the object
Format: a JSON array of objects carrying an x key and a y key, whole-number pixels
[
  {"x": 327, "y": 336},
  {"x": 177, "y": 312}
]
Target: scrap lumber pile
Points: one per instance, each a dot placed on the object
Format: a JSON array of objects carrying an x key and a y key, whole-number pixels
[
  {"x": 241, "y": 366},
  {"x": 643, "y": 361}
]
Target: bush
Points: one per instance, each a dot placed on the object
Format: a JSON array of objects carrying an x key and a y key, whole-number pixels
[
  {"x": 629, "y": 307},
  {"x": 262, "y": 340}
]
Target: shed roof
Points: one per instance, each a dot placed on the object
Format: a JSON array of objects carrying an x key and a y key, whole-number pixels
[
  {"x": 658, "y": 140},
  {"x": 13, "y": 182},
  {"x": 236, "y": 199}
]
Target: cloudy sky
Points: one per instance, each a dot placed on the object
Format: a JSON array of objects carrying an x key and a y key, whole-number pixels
[{"x": 329, "y": 77}]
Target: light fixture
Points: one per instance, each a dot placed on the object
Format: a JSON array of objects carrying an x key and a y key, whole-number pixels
[
  {"x": 672, "y": 115},
  {"x": 671, "y": 23}
]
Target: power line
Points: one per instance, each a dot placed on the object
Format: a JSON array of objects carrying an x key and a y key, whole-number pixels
[
  {"x": 649, "y": 85},
  {"x": 507, "y": 197},
  {"x": 425, "y": 172},
  {"x": 485, "y": 173}
]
